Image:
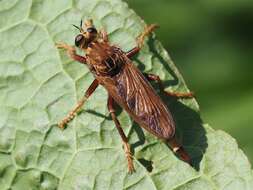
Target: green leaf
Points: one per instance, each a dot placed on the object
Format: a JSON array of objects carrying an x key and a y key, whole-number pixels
[{"x": 39, "y": 85}]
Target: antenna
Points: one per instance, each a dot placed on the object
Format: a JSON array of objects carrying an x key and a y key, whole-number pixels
[
  {"x": 81, "y": 24},
  {"x": 77, "y": 27}
]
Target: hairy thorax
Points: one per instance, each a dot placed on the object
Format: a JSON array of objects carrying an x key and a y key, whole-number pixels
[{"x": 104, "y": 59}]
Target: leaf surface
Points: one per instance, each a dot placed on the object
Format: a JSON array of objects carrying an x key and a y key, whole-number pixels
[{"x": 39, "y": 85}]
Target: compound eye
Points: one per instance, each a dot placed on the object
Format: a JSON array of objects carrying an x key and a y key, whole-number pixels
[
  {"x": 92, "y": 30},
  {"x": 79, "y": 40}
]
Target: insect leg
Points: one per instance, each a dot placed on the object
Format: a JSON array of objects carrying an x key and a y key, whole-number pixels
[
  {"x": 140, "y": 39},
  {"x": 71, "y": 51},
  {"x": 179, "y": 150},
  {"x": 122, "y": 135},
  {"x": 104, "y": 35},
  {"x": 156, "y": 78},
  {"x": 148, "y": 30},
  {"x": 73, "y": 113},
  {"x": 133, "y": 52}
]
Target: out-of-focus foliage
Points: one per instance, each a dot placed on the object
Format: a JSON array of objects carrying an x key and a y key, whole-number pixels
[{"x": 212, "y": 44}]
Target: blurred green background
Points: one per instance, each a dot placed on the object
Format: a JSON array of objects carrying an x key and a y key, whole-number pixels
[{"x": 211, "y": 42}]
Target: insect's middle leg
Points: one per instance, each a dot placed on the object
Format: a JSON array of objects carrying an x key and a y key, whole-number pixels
[
  {"x": 77, "y": 108},
  {"x": 156, "y": 78},
  {"x": 110, "y": 105},
  {"x": 140, "y": 40}
]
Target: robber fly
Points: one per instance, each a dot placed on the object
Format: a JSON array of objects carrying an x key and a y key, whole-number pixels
[{"x": 126, "y": 86}]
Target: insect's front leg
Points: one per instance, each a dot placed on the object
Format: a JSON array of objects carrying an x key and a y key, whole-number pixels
[
  {"x": 122, "y": 135},
  {"x": 156, "y": 78},
  {"x": 140, "y": 40},
  {"x": 71, "y": 51},
  {"x": 104, "y": 35},
  {"x": 77, "y": 108}
]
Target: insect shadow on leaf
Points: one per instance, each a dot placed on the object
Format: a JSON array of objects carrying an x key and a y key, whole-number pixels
[
  {"x": 147, "y": 164},
  {"x": 189, "y": 126}
]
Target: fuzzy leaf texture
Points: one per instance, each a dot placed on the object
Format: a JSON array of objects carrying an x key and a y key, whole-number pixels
[{"x": 39, "y": 85}]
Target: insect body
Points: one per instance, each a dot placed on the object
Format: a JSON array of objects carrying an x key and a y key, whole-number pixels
[{"x": 126, "y": 86}]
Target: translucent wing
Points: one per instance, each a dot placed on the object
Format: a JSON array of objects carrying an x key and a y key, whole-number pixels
[{"x": 133, "y": 92}]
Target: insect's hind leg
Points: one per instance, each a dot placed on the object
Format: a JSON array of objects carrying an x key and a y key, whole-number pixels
[
  {"x": 140, "y": 40},
  {"x": 110, "y": 105},
  {"x": 77, "y": 108},
  {"x": 156, "y": 78},
  {"x": 179, "y": 150},
  {"x": 71, "y": 51}
]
